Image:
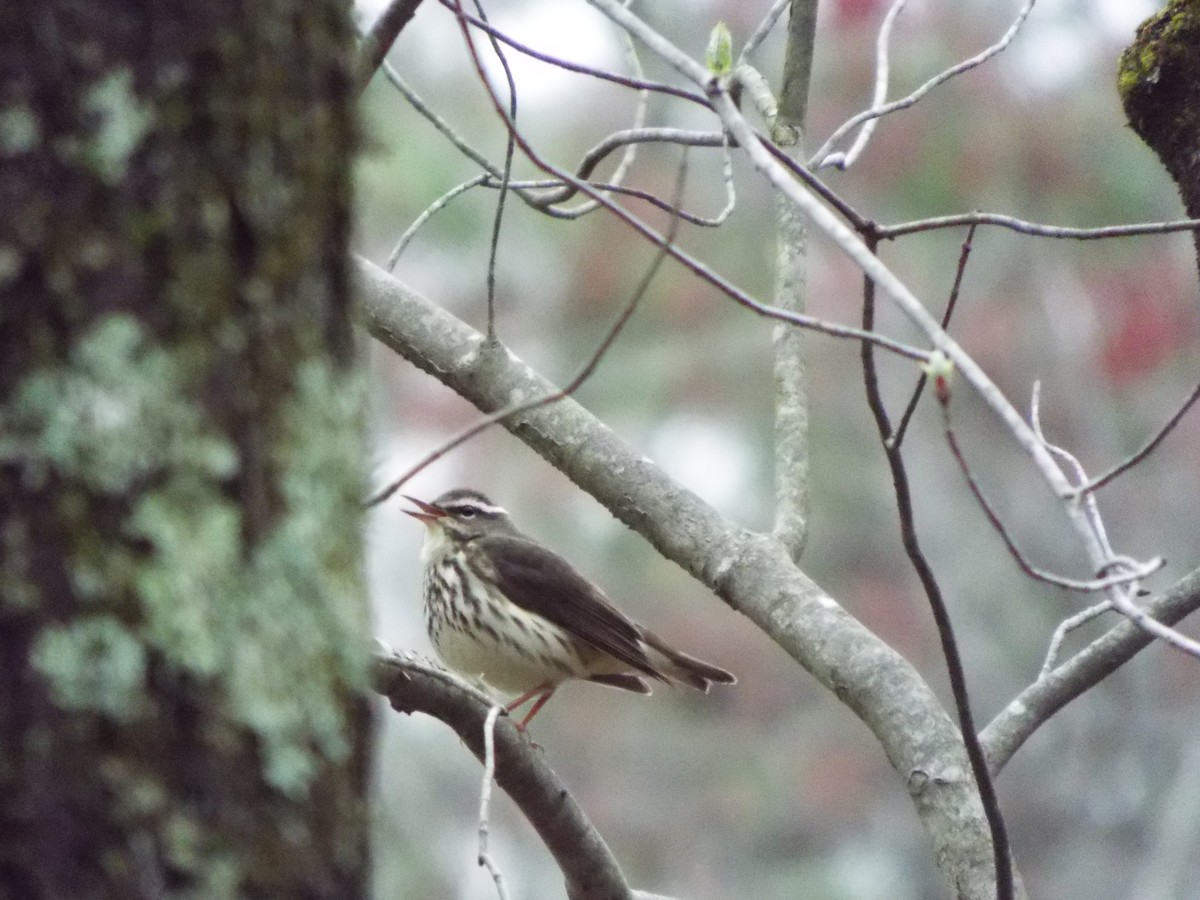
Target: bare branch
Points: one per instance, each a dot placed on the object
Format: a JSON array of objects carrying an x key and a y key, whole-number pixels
[
  {"x": 1035, "y": 229},
  {"x": 573, "y": 385},
  {"x": 570, "y": 66},
  {"x": 379, "y": 39},
  {"x": 588, "y": 865},
  {"x": 753, "y": 573},
  {"x": 485, "y": 799},
  {"x": 824, "y": 156},
  {"x": 1128, "y": 572},
  {"x": 764, "y": 160},
  {"x": 1122, "y": 601},
  {"x": 937, "y": 606},
  {"x": 897, "y": 438},
  {"x": 1146, "y": 450},
  {"x": 562, "y": 189},
  {"x": 882, "y": 67},
  {"x": 505, "y": 177},
  {"x": 791, "y": 276},
  {"x": 695, "y": 265},
  {"x": 426, "y": 214},
  {"x": 1064, "y": 628},
  {"x": 1089, "y": 506},
  {"x": 630, "y": 137},
  {"x": 764, "y": 28},
  {"x": 1005, "y": 734}
]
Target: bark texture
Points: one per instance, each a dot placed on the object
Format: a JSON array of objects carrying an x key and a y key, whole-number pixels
[
  {"x": 183, "y": 658},
  {"x": 1159, "y": 82}
]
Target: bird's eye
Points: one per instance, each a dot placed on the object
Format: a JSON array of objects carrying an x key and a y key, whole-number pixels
[{"x": 467, "y": 512}]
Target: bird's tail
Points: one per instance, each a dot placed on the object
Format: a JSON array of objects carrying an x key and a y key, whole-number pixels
[{"x": 679, "y": 666}]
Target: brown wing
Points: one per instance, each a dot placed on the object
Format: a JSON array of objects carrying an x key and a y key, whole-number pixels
[{"x": 541, "y": 581}]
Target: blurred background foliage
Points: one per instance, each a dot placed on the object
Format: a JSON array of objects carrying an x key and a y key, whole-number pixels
[{"x": 772, "y": 789}]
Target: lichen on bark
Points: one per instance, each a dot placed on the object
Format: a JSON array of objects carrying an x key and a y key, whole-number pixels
[{"x": 1158, "y": 79}]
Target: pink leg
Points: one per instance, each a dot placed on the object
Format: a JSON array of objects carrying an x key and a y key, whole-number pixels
[{"x": 544, "y": 690}]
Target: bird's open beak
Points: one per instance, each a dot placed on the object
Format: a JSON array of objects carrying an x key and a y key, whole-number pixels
[{"x": 426, "y": 512}]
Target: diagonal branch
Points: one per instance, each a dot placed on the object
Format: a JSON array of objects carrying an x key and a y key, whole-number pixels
[
  {"x": 951, "y": 653},
  {"x": 1030, "y": 709},
  {"x": 590, "y": 869},
  {"x": 751, "y": 572},
  {"x": 379, "y": 39}
]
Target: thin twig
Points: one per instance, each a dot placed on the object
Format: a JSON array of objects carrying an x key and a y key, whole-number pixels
[
  {"x": 1036, "y": 229},
  {"x": 1064, "y": 628},
  {"x": 440, "y": 203},
  {"x": 636, "y": 83},
  {"x": 964, "y": 254},
  {"x": 639, "y": 120},
  {"x": 1123, "y": 603},
  {"x": 1090, "y": 508},
  {"x": 1120, "y": 595},
  {"x": 444, "y": 127},
  {"x": 1034, "y": 706},
  {"x": 937, "y": 605},
  {"x": 694, "y": 265},
  {"x": 573, "y": 385},
  {"x": 1128, "y": 572},
  {"x": 691, "y": 263},
  {"x": 505, "y": 176},
  {"x": 882, "y": 69},
  {"x": 858, "y": 222},
  {"x": 765, "y": 27},
  {"x": 825, "y": 156},
  {"x": 563, "y": 190},
  {"x": 485, "y": 799},
  {"x": 412, "y": 685},
  {"x": 1149, "y": 448},
  {"x": 630, "y": 137}
]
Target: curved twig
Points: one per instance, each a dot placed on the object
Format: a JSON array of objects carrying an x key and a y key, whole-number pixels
[
  {"x": 1035, "y": 229},
  {"x": 1031, "y": 708},
  {"x": 824, "y": 156},
  {"x": 1096, "y": 483},
  {"x": 590, "y": 869},
  {"x": 569, "y": 388},
  {"x": 640, "y": 84}
]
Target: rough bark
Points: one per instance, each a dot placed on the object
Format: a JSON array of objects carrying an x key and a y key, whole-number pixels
[
  {"x": 182, "y": 651},
  {"x": 1159, "y": 82},
  {"x": 791, "y": 275}
]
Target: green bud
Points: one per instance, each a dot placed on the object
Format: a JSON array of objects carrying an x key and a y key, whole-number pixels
[{"x": 719, "y": 55}]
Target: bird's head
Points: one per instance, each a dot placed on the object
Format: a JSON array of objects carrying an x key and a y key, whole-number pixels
[{"x": 461, "y": 514}]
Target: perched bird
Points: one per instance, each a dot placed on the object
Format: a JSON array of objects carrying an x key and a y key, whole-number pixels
[{"x": 501, "y": 606}]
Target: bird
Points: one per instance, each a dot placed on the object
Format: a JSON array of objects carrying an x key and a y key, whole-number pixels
[{"x": 502, "y": 607}]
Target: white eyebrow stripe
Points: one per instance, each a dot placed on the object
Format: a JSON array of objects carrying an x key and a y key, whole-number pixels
[{"x": 486, "y": 509}]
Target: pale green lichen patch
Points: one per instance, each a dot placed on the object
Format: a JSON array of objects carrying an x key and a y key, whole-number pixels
[
  {"x": 187, "y": 586},
  {"x": 111, "y": 415},
  {"x": 20, "y": 131},
  {"x": 218, "y": 871},
  {"x": 93, "y": 664},
  {"x": 279, "y": 629},
  {"x": 10, "y": 263},
  {"x": 15, "y": 553},
  {"x": 308, "y": 608},
  {"x": 123, "y": 122},
  {"x": 286, "y": 629}
]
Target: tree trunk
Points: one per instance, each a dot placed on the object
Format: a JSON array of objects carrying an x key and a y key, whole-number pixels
[
  {"x": 1157, "y": 78},
  {"x": 183, "y": 653}
]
